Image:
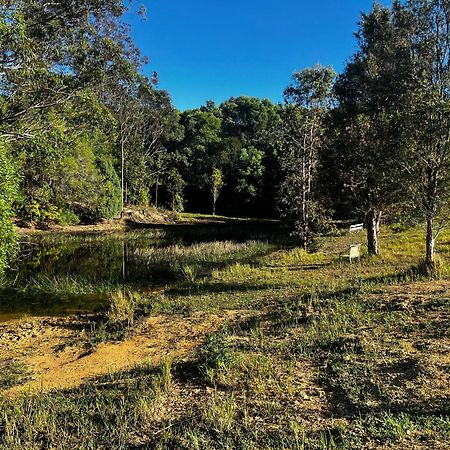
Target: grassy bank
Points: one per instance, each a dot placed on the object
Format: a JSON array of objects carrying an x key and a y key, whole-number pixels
[{"x": 331, "y": 356}]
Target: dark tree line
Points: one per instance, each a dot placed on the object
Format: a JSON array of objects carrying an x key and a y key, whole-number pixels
[{"x": 83, "y": 132}]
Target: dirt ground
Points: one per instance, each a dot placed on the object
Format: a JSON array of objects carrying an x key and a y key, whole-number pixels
[{"x": 51, "y": 347}]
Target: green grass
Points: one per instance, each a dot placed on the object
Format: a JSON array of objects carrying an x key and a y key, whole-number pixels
[
  {"x": 324, "y": 355},
  {"x": 12, "y": 373}
]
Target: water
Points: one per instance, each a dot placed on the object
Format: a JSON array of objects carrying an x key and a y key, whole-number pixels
[{"x": 59, "y": 274}]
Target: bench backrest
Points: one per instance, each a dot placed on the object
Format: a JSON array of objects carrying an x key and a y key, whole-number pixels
[
  {"x": 355, "y": 251},
  {"x": 356, "y": 227}
]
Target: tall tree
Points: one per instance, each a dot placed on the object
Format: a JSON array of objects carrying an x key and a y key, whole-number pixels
[
  {"x": 200, "y": 146},
  {"x": 366, "y": 145},
  {"x": 428, "y": 115},
  {"x": 247, "y": 146},
  {"x": 216, "y": 185},
  {"x": 308, "y": 99},
  {"x": 50, "y": 50}
]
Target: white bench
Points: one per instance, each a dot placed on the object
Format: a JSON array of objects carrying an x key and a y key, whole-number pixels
[
  {"x": 356, "y": 227},
  {"x": 354, "y": 252}
]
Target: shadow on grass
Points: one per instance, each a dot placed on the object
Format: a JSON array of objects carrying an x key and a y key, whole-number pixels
[{"x": 213, "y": 288}]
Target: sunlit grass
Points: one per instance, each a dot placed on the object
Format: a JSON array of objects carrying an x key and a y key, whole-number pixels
[{"x": 310, "y": 364}]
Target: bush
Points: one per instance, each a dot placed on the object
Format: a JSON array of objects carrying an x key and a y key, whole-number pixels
[
  {"x": 110, "y": 204},
  {"x": 8, "y": 194},
  {"x": 216, "y": 353}
]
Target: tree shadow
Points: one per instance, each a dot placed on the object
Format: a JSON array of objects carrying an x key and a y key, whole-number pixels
[{"x": 272, "y": 232}]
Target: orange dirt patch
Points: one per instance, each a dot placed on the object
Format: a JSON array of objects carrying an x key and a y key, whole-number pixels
[{"x": 48, "y": 348}]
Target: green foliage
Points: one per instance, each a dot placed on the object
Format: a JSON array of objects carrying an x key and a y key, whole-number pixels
[
  {"x": 216, "y": 353},
  {"x": 69, "y": 173},
  {"x": 175, "y": 185},
  {"x": 365, "y": 151},
  {"x": 236, "y": 137},
  {"x": 51, "y": 51},
  {"x": 109, "y": 201},
  {"x": 309, "y": 98},
  {"x": 8, "y": 194},
  {"x": 216, "y": 185}
]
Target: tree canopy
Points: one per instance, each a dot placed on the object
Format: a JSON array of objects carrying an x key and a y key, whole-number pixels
[{"x": 83, "y": 132}]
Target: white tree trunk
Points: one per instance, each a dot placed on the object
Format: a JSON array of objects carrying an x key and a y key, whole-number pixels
[
  {"x": 372, "y": 232},
  {"x": 430, "y": 244}
]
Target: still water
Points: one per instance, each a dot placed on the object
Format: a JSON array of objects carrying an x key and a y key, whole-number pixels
[{"x": 59, "y": 274}]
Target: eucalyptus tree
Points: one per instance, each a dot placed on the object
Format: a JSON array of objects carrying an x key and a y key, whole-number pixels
[
  {"x": 160, "y": 131},
  {"x": 308, "y": 100},
  {"x": 427, "y": 115},
  {"x": 146, "y": 123},
  {"x": 366, "y": 145},
  {"x": 51, "y": 50}
]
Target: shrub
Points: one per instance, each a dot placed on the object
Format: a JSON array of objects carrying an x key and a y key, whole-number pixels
[
  {"x": 8, "y": 194},
  {"x": 216, "y": 353}
]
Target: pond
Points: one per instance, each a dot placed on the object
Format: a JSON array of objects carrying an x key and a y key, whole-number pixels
[{"x": 60, "y": 274}]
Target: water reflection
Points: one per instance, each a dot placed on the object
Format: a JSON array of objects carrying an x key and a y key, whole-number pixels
[
  {"x": 63, "y": 274},
  {"x": 60, "y": 273}
]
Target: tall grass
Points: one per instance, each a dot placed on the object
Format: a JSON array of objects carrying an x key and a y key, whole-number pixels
[{"x": 204, "y": 252}]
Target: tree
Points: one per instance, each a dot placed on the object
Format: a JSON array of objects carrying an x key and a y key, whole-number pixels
[
  {"x": 68, "y": 172},
  {"x": 174, "y": 184},
  {"x": 247, "y": 148},
  {"x": 160, "y": 131},
  {"x": 427, "y": 111},
  {"x": 8, "y": 194},
  {"x": 51, "y": 50},
  {"x": 50, "y": 53},
  {"x": 147, "y": 123},
  {"x": 216, "y": 185},
  {"x": 366, "y": 142},
  {"x": 308, "y": 100},
  {"x": 200, "y": 147}
]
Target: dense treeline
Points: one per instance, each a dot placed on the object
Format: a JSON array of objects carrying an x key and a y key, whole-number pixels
[{"x": 83, "y": 132}]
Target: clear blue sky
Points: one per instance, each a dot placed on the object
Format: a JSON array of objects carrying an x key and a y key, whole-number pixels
[{"x": 215, "y": 49}]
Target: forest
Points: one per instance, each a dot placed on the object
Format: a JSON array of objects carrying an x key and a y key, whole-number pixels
[
  {"x": 83, "y": 131},
  {"x": 86, "y": 134}
]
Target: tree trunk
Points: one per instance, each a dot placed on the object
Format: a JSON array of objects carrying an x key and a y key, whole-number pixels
[
  {"x": 430, "y": 242},
  {"x": 378, "y": 221},
  {"x": 156, "y": 192},
  {"x": 122, "y": 175},
  {"x": 305, "y": 212},
  {"x": 373, "y": 218}
]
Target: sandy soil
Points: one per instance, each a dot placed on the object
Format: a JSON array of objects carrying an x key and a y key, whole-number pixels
[{"x": 50, "y": 347}]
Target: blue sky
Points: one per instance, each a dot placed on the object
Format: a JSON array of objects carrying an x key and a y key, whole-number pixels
[{"x": 221, "y": 48}]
